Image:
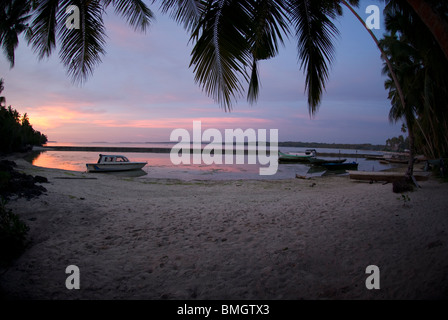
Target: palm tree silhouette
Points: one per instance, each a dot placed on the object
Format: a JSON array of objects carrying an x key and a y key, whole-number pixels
[
  {"x": 230, "y": 37},
  {"x": 2, "y": 99},
  {"x": 433, "y": 13},
  {"x": 81, "y": 50},
  {"x": 13, "y": 17},
  {"x": 421, "y": 71},
  {"x": 407, "y": 71}
]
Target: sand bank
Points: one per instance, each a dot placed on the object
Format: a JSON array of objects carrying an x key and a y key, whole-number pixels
[{"x": 146, "y": 238}]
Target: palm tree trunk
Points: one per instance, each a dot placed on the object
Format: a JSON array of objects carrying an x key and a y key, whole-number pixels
[
  {"x": 410, "y": 170},
  {"x": 383, "y": 54},
  {"x": 435, "y": 23},
  {"x": 429, "y": 144}
]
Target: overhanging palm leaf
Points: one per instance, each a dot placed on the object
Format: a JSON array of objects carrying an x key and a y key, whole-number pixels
[
  {"x": 2, "y": 99},
  {"x": 268, "y": 28},
  {"x": 315, "y": 33},
  {"x": 222, "y": 52},
  {"x": 137, "y": 14},
  {"x": 43, "y": 35},
  {"x": 81, "y": 49},
  {"x": 13, "y": 18},
  {"x": 186, "y": 12},
  {"x": 230, "y": 38}
]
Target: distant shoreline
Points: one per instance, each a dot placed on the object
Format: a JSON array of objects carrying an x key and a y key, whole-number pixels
[
  {"x": 294, "y": 144},
  {"x": 167, "y": 150},
  {"x": 363, "y": 146}
]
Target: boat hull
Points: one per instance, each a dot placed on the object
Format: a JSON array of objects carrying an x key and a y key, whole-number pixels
[
  {"x": 317, "y": 161},
  {"x": 340, "y": 166},
  {"x": 110, "y": 167},
  {"x": 385, "y": 176},
  {"x": 292, "y": 158}
]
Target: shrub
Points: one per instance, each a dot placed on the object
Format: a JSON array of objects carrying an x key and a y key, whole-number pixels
[{"x": 13, "y": 234}]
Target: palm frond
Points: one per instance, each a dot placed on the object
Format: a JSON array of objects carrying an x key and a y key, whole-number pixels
[
  {"x": 221, "y": 52},
  {"x": 315, "y": 34},
  {"x": 254, "y": 83},
  {"x": 186, "y": 12},
  {"x": 269, "y": 26},
  {"x": 81, "y": 49},
  {"x": 268, "y": 29},
  {"x": 13, "y": 21},
  {"x": 9, "y": 43},
  {"x": 43, "y": 31},
  {"x": 137, "y": 14}
]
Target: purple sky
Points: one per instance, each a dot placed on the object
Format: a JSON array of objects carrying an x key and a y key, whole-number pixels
[{"x": 144, "y": 89}]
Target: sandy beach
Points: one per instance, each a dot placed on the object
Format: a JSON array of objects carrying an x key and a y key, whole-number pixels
[{"x": 291, "y": 239}]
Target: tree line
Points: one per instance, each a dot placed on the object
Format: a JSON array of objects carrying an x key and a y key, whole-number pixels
[
  {"x": 16, "y": 132},
  {"x": 419, "y": 92}
]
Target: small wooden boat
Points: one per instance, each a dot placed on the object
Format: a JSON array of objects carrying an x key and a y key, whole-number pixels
[
  {"x": 107, "y": 163},
  {"x": 396, "y": 160},
  {"x": 374, "y": 157},
  {"x": 296, "y": 157},
  {"x": 317, "y": 161},
  {"x": 340, "y": 166},
  {"x": 385, "y": 176}
]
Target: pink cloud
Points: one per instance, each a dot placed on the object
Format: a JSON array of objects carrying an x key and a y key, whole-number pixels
[{"x": 173, "y": 123}]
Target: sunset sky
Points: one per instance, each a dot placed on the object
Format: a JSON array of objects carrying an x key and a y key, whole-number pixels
[{"x": 144, "y": 89}]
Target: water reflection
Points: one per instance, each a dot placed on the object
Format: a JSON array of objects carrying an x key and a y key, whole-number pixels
[
  {"x": 33, "y": 155},
  {"x": 316, "y": 169},
  {"x": 160, "y": 166},
  {"x": 59, "y": 160}
]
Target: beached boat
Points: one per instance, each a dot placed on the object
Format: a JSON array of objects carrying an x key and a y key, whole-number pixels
[
  {"x": 296, "y": 157},
  {"x": 107, "y": 163},
  {"x": 318, "y": 161},
  {"x": 340, "y": 166},
  {"x": 374, "y": 157},
  {"x": 396, "y": 160},
  {"x": 385, "y": 176}
]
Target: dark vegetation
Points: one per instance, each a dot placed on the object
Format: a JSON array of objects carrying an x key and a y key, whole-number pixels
[
  {"x": 13, "y": 231},
  {"x": 16, "y": 135},
  {"x": 363, "y": 146},
  {"x": 16, "y": 132}
]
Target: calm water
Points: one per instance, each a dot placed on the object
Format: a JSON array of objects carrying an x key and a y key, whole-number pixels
[{"x": 160, "y": 165}]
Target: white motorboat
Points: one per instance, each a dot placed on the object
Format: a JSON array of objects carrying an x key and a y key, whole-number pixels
[{"x": 114, "y": 163}]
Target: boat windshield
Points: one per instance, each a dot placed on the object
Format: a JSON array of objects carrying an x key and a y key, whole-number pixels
[{"x": 121, "y": 159}]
